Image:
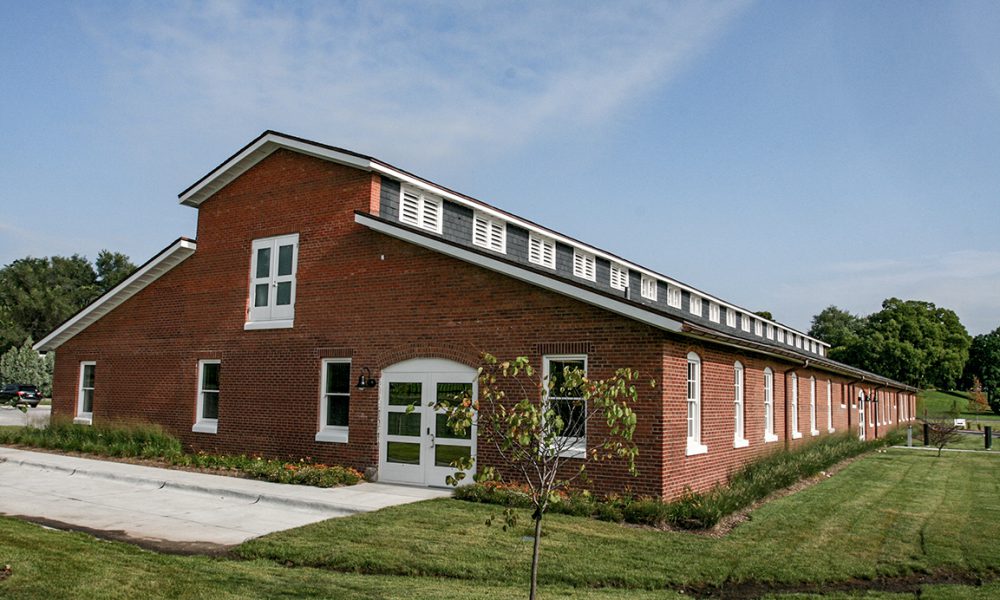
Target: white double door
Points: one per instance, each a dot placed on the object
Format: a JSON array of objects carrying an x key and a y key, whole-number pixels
[{"x": 415, "y": 444}]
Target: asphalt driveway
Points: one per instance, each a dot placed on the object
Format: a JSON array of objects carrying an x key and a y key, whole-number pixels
[{"x": 172, "y": 510}]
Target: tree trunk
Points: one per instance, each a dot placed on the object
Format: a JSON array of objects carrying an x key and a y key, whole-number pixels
[{"x": 534, "y": 556}]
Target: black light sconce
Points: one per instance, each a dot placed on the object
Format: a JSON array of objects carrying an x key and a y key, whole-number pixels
[{"x": 366, "y": 382}]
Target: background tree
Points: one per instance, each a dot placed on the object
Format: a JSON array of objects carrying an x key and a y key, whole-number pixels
[
  {"x": 836, "y": 327},
  {"x": 24, "y": 365},
  {"x": 537, "y": 438},
  {"x": 984, "y": 364},
  {"x": 943, "y": 432},
  {"x": 112, "y": 269},
  {"x": 765, "y": 314}
]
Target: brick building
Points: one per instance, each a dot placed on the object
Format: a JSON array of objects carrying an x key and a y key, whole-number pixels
[{"x": 316, "y": 266}]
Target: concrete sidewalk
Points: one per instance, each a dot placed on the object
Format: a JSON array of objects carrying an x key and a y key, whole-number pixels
[{"x": 174, "y": 510}]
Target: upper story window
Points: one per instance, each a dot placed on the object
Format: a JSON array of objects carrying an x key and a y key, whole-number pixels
[
  {"x": 648, "y": 288},
  {"x": 335, "y": 400},
  {"x": 781, "y": 335},
  {"x": 770, "y": 331},
  {"x": 207, "y": 420},
  {"x": 567, "y": 403},
  {"x": 694, "y": 445},
  {"x": 619, "y": 276},
  {"x": 489, "y": 233},
  {"x": 541, "y": 251},
  {"x": 673, "y": 296},
  {"x": 584, "y": 265},
  {"x": 272, "y": 282},
  {"x": 85, "y": 395},
  {"x": 798, "y": 341},
  {"x": 758, "y": 328},
  {"x": 713, "y": 312},
  {"x": 695, "y": 307},
  {"x": 822, "y": 351},
  {"x": 420, "y": 209},
  {"x": 730, "y": 317},
  {"x": 745, "y": 319}
]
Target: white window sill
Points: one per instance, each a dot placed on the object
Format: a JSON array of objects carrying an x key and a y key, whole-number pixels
[
  {"x": 337, "y": 435},
  {"x": 831, "y": 430},
  {"x": 83, "y": 420},
  {"x": 796, "y": 435},
  {"x": 694, "y": 448},
  {"x": 814, "y": 432},
  {"x": 206, "y": 427},
  {"x": 255, "y": 325},
  {"x": 578, "y": 449},
  {"x": 740, "y": 443},
  {"x": 770, "y": 437}
]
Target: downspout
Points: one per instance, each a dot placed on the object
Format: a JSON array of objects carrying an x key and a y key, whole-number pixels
[
  {"x": 851, "y": 400},
  {"x": 876, "y": 401}
]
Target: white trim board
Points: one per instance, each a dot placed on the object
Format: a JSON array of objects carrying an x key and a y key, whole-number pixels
[{"x": 166, "y": 260}]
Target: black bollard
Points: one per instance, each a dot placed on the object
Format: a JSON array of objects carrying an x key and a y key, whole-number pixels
[
  {"x": 927, "y": 434},
  {"x": 988, "y": 436}
]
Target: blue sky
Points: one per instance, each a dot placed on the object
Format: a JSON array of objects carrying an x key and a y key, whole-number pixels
[{"x": 783, "y": 155}]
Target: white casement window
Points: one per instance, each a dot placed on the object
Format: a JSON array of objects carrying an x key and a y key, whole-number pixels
[
  {"x": 770, "y": 331},
  {"x": 791, "y": 338},
  {"x": 334, "y": 399},
  {"x": 541, "y": 251},
  {"x": 694, "y": 445},
  {"x": 829, "y": 406},
  {"x": 619, "y": 276},
  {"x": 713, "y": 312},
  {"x": 648, "y": 288},
  {"x": 745, "y": 322},
  {"x": 758, "y": 328},
  {"x": 207, "y": 416},
  {"x": 796, "y": 434},
  {"x": 584, "y": 265},
  {"x": 273, "y": 266},
  {"x": 489, "y": 233},
  {"x": 812, "y": 407},
  {"x": 674, "y": 296},
  {"x": 420, "y": 209},
  {"x": 798, "y": 341},
  {"x": 695, "y": 307},
  {"x": 739, "y": 437},
  {"x": 85, "y": 395},
  {"x": 769, "y": 435},
  {"x": 567, "y": 403},
  {"x": 730, "y": 318},
  {"x": 822, "y": 351}
]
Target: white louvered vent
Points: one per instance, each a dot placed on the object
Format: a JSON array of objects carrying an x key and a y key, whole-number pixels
[
  {"x": 648, "y": 288},
  {"x": 619, "y": 276},
  {"x": 541, "y": 251},
  {"x": 489, "y": 233},
  {"x": 420, "y": 210},
  {"x": 584, "y": 266}
]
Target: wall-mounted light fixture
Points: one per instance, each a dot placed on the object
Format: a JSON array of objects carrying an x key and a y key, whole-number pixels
[{"x": 366, "y": 382}]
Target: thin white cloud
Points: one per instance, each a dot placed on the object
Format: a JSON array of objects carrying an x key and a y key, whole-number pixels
[{"x": 427, "y": 80}]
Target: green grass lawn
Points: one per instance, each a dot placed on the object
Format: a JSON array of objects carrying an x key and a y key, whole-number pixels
[
  {"x": 895, "y": 513},
  {"x": 938, "y": 403}
]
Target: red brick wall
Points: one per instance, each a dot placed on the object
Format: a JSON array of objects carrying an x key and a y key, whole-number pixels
[{"x": 377, "y": 300}]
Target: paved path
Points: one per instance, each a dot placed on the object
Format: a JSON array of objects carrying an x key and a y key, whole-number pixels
[
  {"x": 38, "y": 416},
  {"x": 174, "y": 510}
]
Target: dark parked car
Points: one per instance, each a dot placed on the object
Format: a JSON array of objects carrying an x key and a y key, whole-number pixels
[{"x": 25, "y": 394}]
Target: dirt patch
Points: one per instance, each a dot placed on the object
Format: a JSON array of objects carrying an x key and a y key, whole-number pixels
[{"x": 154, "y": 544}]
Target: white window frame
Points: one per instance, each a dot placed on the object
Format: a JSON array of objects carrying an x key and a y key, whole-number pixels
[
  {"x": 584, "y": 265},
  {"x": 674, "y": 296},
  {"x": 781, "y": 335},
  {"x": 201, "y": 424},
  {"x": 731, "y": 318},
  {"x": 798, "y": 341},
  {"x": 85, "y": 418},
  {"x": 694, "y": 305},
  {"x": 770, "y": 331},
  {"x": 713, "y": 312},
  {"x": 769, "y": 435},
  {"x": 577, "y": 446},
  {"x": 796, "y": 434},
  {"x": 758, "y": 328},
  {"x": 739, "y": 406},
  {"x": 647, "y": 288},
  {"x": 489, "y": 233},
  {"x": 541, "y": 251},
  {"x": 421, "y": 209},
  {"x": 745, "y": 322},
  {"x": 822, "y": 350},
  {"x": 272, "y": 316},
  {"x": 332, "y": 433},
  {"x": 693, "y": 392},
  {"x": 812, "y": 407},
  {"x": 829, "y": 407},
  {"x": 618, "y": 277}
]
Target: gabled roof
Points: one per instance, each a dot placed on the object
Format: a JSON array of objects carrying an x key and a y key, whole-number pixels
[{"x": 145, "y": 274}]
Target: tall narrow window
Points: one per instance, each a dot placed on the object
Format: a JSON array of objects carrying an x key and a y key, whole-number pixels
[
  {"x": 674, "y": 296},
  {"x": 781, "y": 335},
  {"x": 812, "y": 407},
  {"x": 739, "y": 437},
  {"x": 769, "y": 435},
  {"x": 758, "y": 328},
  {"x": 541, "y": 251},
  {"x": 796, "y": 434},
  {"x": 489, "y": 233},
  {"x": 829, "y": 406},
  {"x": 648, "y": 288},
  {"x": 420, "y": 209},
  {"x": 713, "y": 312},
  {"x": 695, "y": 306},
  {"x": 272, "y": 282},
  {"x": 770, "y": 331},
  {"x": 619, "y": 276},
  {"x": 745, "y": 322},
  {"x": 335, "y": 400},
  {"x": 85, "y": 397},
  {"x": 694, "y": 445},
  {"x": 731, "y": 318},
  {"x": 208, "y": 396},
  {"x": 567, "y": 403},
  {"x": 584, "y": 265}
]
